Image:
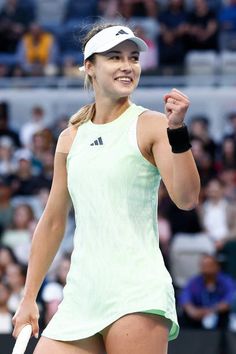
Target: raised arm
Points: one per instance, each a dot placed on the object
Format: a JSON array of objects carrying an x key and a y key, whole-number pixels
[
  {"x": 47, "y": 237},
  {"x": 178, "y": 170}
]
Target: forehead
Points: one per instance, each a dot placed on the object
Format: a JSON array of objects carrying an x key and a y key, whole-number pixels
[{"x": 125, "y": 46}]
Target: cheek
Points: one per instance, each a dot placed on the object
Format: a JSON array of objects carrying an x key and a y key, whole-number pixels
[{"x": 137, "y": 70}]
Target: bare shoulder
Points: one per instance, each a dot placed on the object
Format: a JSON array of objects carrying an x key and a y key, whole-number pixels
[
  {"x": 153, "y": 117},
  {"x": 66, "y": 139},
  {"x": 153, "y": 124}
]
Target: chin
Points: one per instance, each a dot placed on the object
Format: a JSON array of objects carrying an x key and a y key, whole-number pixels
[{"x": 125, "y": 92}]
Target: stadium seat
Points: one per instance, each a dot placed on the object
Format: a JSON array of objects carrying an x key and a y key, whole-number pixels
[
  {"x": 186, "y": 251},
  {"x": 201, "y": 63},
  {"x": 8, "y": 59},
  {"x": 228, "y": 63}
]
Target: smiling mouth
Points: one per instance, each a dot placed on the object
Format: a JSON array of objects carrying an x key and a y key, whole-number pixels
[{"x": 124, "y": 79}]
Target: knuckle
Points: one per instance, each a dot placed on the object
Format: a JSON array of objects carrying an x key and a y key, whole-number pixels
[{"x": 34, "y": 317}]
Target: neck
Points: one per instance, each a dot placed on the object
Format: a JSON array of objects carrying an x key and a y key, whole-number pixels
[{"x": 108, "y": 110}]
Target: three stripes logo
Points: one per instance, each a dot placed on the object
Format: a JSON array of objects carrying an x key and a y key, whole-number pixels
[
  {"x": 97, "y": 141},
  {"x": 121, "y": 32}
]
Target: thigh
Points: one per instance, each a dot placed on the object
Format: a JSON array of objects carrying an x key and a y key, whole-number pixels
[
  {"x": 91, "y": 345},
  {"x": 137, "y": 333}
]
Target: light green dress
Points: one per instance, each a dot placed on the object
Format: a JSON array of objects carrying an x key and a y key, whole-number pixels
[{"x": 117, "y": 267}]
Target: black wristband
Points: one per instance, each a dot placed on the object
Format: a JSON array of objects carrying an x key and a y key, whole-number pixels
[{"x": 179, "y": 139}]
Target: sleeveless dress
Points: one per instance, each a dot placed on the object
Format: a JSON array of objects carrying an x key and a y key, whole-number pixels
[{"x": 116, "y": 265}]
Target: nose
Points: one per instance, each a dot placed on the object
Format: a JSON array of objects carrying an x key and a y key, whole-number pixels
[{"x": 126, "y": 65}]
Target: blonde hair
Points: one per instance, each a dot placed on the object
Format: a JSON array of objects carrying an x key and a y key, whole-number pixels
[{"x": 88, "y": 111}]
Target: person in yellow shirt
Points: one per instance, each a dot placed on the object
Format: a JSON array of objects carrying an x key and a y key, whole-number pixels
[{"x": 37, "y": 49}]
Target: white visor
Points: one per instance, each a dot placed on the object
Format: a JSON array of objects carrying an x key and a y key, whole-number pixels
[{"x": 109, "y": 38}]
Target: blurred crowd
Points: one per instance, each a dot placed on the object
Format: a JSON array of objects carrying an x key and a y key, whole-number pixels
[
  {"x": 41, "y": 37},
  {"x": 199, "y": 246}
]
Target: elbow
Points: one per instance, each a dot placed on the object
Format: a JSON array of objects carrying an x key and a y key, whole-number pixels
[{"x": 188, "y": 205}]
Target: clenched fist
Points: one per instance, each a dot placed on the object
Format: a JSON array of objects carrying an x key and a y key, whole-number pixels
[{"x": 176, "y": 106}]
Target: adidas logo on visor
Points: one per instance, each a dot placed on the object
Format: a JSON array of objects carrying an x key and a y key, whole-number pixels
[{"x": 121, "y": 32}]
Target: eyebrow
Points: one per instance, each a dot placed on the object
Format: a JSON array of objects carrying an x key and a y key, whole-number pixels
[{"x": 118, "y": 52}]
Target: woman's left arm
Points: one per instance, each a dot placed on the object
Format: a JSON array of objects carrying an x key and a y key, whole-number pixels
[{"x": 178, "y": 170}]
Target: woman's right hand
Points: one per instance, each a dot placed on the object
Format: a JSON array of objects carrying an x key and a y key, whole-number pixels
[{"x": 27, "y": 313}]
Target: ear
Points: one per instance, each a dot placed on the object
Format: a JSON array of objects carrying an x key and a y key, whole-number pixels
[{"x": 89, "y": 68}]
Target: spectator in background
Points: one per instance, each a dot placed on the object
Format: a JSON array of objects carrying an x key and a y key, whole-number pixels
[
  {"x": 23, "y": 249},
  {"x": 48, "y": 166},
  {"x": 36, "y": 124},
  {"x": 202, "y": 27},
  {"x": 52, "y": 293},
  {"x": 4, "y": 70},
  {"x": 41, "y": 198},
  {"x": 70, "y": 67},
  {"x": 108, "y": 9},
  {"x": 204, "y": 161},
  {"x": 227, "y": 16},
  {"x": 37, "y": 50},
  {"x": 81, "y": 10},
  {"x": 15, "y": 277},
  {"x": 180, "y": 221},
  {"x": 228, "y": 177},
  {"x": 232, "y": 128},
  {"x": 24, "y": 182},
  {"x": 60, "y": 123},
  {"x": 5, "y": 130},
  {"x": 228, "y": 154},
  {"x": 7, "y": 162},
  {"x": 199, "y": 128},
  {"x": 7, "y": 256},
  {"x": 214, "y": 5},
  {"x": 6, "y": 208},
  {"x": 14, "y": 18},
  {"x": 214, "y": 212},
  {"x": 227, "y": 22},
  {"x": 137, "y": 8},
  {"x": 148, "y": 59},
  {"x": 19, "y": 232},
  {"x": 5, "y": 314},
  {"x": 207, "y": 297},
  {"x": 164, "y": 231},
  {"x": 42, "y": 144},
  {"x": 16, "y": 72},
  {"x": 173, "y": 22}
]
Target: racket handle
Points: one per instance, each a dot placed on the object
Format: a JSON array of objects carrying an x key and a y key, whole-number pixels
[{"x": 22, "y": 340}]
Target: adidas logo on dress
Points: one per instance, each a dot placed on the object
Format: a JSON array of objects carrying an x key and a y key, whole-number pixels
[
  {"x": 121, "y": 32},
  {"x": 98, "y": 141}
]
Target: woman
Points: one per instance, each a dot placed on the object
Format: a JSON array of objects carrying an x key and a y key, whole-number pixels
[{"x": 119, "y": 296}]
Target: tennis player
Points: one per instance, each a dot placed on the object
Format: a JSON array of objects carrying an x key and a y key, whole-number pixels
[{"x": 119, "y": 297}]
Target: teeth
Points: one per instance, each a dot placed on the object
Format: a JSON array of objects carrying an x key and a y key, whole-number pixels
[{"x": 125, "y": 79}]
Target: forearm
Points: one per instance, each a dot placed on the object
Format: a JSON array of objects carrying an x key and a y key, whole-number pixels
[
  {"x": 46, "y": 241},
  {"x": 222, "y": 307},
  {"x": 186, "y": 181},
  {"x": 194, "y": 312}
]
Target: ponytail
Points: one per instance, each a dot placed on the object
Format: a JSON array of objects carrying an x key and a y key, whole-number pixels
[{"x": 85, "y": 114}]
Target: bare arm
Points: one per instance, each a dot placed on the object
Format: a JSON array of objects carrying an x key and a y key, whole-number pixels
[
  {"x": 178, "y": 170},
  {"x": 50, "y": 229},
  {"x": 46, "y": 239}
]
